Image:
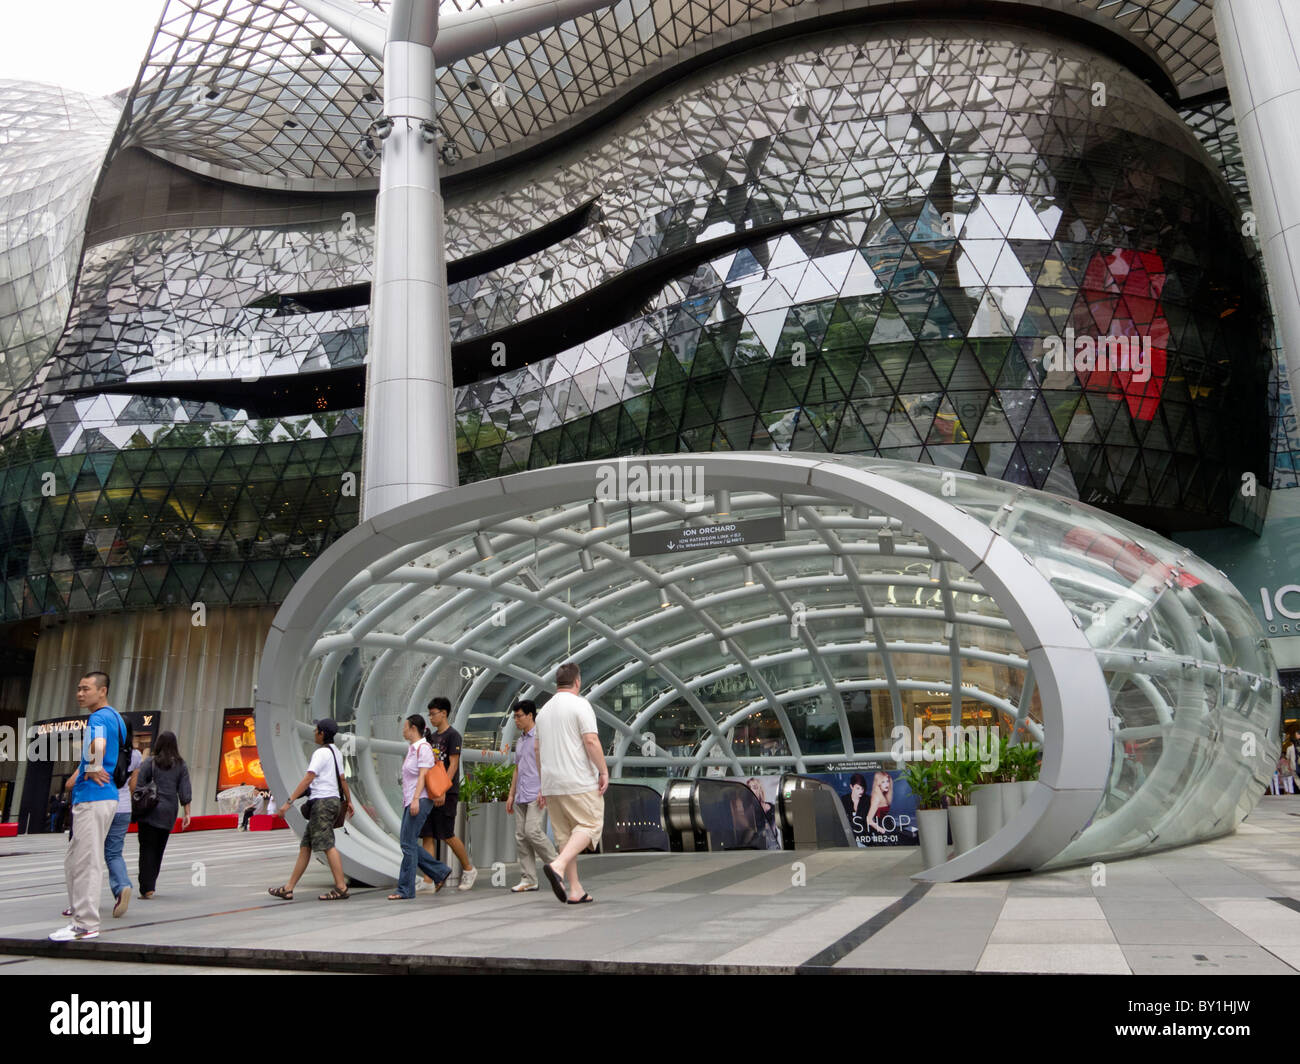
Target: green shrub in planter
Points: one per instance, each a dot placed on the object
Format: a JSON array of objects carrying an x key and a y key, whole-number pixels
[
  {"x": 958, "y": 777},
  {"x": 1006, "y": 768},
  {"x": 923, "y": 780},
  {"x": 487, "y": 783},
  {"x": 985, "y": 776},
  {"x": 1025, "y": 763}
]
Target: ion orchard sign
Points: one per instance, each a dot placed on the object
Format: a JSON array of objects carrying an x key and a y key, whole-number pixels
[
  {"x": 701, "y": 537},
  {"x": 1277, "y": 602}
]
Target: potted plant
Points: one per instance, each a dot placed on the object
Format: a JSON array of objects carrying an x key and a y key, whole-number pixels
[
  {"x": 1012, "y": 795},
  {"x": 1027, "y": 762},
  {"x": 957, "y": 777},
  {"x": 490, "y": 834},
  {"x": 986, "y": 796},
  {"x": 932, "y": 819}
]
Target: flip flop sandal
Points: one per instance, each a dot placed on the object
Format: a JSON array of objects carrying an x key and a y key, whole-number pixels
[
  {"x": 335, "y": 895},
  {"x": 557, "y": 884},
  {"x": 581, "y": 901},
  {"x": 275, "y": 892},
  {"x": 398, "y": 897}
]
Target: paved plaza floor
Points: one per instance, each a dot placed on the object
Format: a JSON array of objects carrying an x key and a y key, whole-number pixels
[{"x": 1227, "y": 907}]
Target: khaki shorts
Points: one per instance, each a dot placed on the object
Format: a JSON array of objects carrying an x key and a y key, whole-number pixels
[
  {"x": 318, "y": 836},
  {"x": 576, "y": 812}
]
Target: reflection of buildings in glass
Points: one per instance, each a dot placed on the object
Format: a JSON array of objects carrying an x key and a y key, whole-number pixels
[
  {"x": 964, "y": 214},
  {"x": 925, "y": 309}
]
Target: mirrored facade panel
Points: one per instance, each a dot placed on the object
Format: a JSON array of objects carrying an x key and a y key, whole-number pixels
[{"x": 876, "y": 242}]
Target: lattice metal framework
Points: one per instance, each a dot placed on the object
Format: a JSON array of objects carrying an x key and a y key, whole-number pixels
[
  {"x": 985, "y": 212},
  {"x": 264, "y": 88},
  {"x": 890, "y": 599}
]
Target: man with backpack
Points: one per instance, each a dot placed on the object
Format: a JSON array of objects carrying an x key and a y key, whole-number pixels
[{"x": 94, "y": 804}]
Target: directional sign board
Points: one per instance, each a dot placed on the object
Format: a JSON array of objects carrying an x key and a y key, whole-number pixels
[{"x": 703, "y": 537}]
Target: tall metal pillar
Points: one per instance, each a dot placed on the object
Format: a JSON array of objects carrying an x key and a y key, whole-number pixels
[
  {"x": 409, "y": 442},
  {"x": 1260, "y": 44}
]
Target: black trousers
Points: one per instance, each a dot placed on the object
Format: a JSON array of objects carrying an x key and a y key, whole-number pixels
[{"x": 153, "y": 842}]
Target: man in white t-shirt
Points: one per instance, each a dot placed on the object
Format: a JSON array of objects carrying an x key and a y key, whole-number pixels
[{"x": 574, "y": 780}]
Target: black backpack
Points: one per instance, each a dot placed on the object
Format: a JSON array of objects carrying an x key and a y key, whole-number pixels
[{"x": 122, "y": 770}]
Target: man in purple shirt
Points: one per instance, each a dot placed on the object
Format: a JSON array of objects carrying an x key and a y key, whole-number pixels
[{"x": 526, "y": 801}]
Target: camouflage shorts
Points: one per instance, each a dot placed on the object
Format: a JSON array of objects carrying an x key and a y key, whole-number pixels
[{"x": 319, "y": 833}]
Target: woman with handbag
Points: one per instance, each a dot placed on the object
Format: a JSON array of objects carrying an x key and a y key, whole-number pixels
[
  {"x": 329, "y": 804},
  {"x": 166, "y": 770},
  {"x": 416, "y": 807}
]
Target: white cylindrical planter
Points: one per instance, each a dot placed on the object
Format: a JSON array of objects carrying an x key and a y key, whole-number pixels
[
  {"x": 988, "y": 809},
  {"x": 482, "y": 837},
  {"x": 965, "y": 828},
  {"x": 491, "y": 834},
  {"x": 1012, "y": 800},
  {"x": 505, "y": 833},
  {"x": 933, "y": 827}
]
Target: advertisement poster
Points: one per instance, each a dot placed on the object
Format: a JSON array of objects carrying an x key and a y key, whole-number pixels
[
  {"x": 880, "y": 807},
  {"x": 765, "y": 790},
  {"x": 239, "y": 763}
]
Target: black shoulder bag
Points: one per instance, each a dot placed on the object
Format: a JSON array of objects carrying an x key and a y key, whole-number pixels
[
  {"x": 122, "y": 768},
  {"x": 144, "y": 799}
]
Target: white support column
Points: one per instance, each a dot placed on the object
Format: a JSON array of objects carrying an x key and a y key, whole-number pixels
[
  {"x": 409, "y": 442},
  {"x": 409, "y": 435},
  {"x": 1260, "y": 44}
]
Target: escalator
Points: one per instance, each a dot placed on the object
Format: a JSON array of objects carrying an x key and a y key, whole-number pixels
[
  {"x": 711, "y": 815},
  {"x": 633, "y": 818},
  {"x": 812, "y": 815}
]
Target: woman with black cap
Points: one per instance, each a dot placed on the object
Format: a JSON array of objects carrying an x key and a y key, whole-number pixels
[{"x": 326, "y": 789}]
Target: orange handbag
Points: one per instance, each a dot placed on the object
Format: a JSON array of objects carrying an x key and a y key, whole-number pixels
[{"x": 436, "y": 781}]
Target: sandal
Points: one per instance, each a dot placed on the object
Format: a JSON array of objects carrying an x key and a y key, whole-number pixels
[
  {"x": 398, "y": 897},
  {"x": 335, "y": 895},
  {"x": 275, "y": 892}
]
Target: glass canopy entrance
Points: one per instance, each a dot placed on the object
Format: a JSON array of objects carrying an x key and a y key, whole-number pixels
[{"x": 742, "y": 614}]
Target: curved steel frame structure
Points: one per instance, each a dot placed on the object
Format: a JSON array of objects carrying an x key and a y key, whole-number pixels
[{"x": 393, "y": 584}]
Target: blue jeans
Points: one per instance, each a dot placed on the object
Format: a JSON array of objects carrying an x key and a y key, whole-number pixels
[
  {"x": 413, "y": 854},
  {"x": 118, "y": 877}
]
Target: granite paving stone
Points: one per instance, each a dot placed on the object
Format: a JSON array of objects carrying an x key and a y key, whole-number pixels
[{"x": 1202, "y": 908}]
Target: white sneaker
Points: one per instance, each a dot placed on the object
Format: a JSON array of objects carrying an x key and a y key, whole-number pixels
[
  {"x": 467, "y": 879},
  {"x": 522, "y": 887},
  {"x": 72, "y": 933},
  {"x": 421, "y": 885}
]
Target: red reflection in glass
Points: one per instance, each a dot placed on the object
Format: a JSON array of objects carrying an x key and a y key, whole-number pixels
[{"x": 1120, "y": 298}]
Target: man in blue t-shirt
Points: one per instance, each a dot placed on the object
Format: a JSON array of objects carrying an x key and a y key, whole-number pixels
[{"x": 94, "y": 804}]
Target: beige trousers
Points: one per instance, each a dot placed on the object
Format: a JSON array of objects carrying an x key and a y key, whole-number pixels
[
  {"x": 530, "y": 840},
  {"x": 83, "y": 865}
]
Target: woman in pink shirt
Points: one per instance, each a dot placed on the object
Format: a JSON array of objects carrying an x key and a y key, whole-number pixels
[{"x": 416, "y": 807}]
